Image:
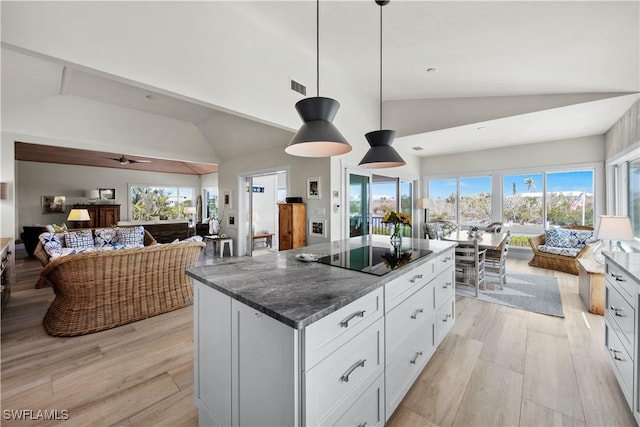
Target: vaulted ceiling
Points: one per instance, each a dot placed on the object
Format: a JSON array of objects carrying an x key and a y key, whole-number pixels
[{"x": 458, "y": 76}]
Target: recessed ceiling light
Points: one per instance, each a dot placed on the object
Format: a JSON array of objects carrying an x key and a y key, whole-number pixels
[
  {"x": 417, "y": 148},
  {"x": 481, "y": 128},
  {"x": 151, "y": 97},
  {"x": 432, "y": 70}
]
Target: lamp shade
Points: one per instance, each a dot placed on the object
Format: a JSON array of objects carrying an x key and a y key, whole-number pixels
[
  {"x": 381, "y": 154},
  {"x": 91, "y": 194},
  {"x": 190, "y": 210},
  {"x": 425, "y": 204},
  {"x": 317, "y": 137},
  {"x": 611, "y": 227},
  {"x": 78, "y": 215}
]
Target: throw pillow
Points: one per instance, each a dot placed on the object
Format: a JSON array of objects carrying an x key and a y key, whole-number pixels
[
  {"x": 131, "y": 235},
  {"x": 79, "y": 239},
  {"x": 51, "y": 243},
  {"x": 557, "y": 237},
  {"x": 580, "y": 238},
  {"x": 59, "y": 228},
  {"x": 106, "y": 237}
]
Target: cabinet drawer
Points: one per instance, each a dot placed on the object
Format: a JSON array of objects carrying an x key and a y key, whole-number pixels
[
  {"x": 444, "y": 261},
  {"x": 401, "y": 373},
  {"x": 368, "y": 410},
  {"x": 444, "y": 287},
  {"x": 401, "y": 288},
  {"x": 620, "y": 360},
  {"x": 622, "y": 316},
  {"x": 621, "y": 280},
  {"x": 413, "y": 314},
  {"x": 326, "y": 335},
  {"x": 444, "y": 320},
  {"x": 333, "y": 379}
]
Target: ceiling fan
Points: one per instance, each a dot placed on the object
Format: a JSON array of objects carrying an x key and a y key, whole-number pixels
[{"x": 125, "y": 161}]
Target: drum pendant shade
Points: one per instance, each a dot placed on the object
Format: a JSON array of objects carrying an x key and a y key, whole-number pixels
[{"x": 381, "y": 154}]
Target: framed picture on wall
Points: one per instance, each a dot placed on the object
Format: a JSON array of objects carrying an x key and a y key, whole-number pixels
[
  {"x": 313, "y": 188},
  {"x": 53, "y": 204},
  {"x": 107, "y": 193},
  {"x": 318, "y": 227},
  {"x": 232, "y": 220},
  {"x": 226, "y": 199}
]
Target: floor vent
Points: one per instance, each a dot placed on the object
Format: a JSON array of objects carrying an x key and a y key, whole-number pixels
[{"x": 298, "y": 87}]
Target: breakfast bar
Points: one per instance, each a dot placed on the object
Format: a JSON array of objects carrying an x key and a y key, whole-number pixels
[{"x": 341, "y": 332}]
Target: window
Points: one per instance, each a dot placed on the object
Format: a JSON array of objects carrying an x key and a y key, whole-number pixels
[
  {"x": 462, "y": 200},
  {"x": 444, "y": 193},
  {"x": 157, "y": 202},
  {"x": 390, "y": 194},
  {"x": 522, "y": 199},
  {"x": 210, "y": 202},
  {"x": 569, "y": 198}
]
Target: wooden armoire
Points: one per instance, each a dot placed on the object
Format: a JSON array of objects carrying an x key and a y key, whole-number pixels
[
  {"x": 292, "y": 219},
  {"x": 101, "y": 216}
]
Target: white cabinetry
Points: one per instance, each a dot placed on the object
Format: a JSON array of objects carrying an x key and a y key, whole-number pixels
[
  {"x": 621, "y": 330},
  {"x": 351, "y": 367},
  {"x": 416, "y": 325}
]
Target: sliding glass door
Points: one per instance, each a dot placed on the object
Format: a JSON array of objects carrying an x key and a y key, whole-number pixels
[{"x": 358, "y": 200}]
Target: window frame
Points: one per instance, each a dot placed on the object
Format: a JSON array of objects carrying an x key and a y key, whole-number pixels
[{"x": 130, "y": 186}]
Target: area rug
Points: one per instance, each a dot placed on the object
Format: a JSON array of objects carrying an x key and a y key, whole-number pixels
[{"x": 539, "y": 294}]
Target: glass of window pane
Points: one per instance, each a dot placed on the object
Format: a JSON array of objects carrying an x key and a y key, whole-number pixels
[
  {"x": 443, "y": 192},
  {"x": 634, "y": 196},
  {"x": 569, "y": 198},
  {"x": 522, "y": 197},
  {"x": 383, "y": 200},
  {"x": 475, "y": 201}
]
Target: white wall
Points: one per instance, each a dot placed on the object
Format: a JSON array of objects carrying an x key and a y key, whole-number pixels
[
  {"x": 553, "y": 153},
  {"x": 264, "y": 204},
  {"x": 39, "y": 179}
]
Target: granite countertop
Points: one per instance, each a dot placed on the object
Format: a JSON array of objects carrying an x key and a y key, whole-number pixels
[
  {"x": 627, "y": 261},
  {"x": 299, "y": 293}
]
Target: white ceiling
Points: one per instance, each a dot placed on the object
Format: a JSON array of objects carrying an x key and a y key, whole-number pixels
[{"x": 490, "y": 53}]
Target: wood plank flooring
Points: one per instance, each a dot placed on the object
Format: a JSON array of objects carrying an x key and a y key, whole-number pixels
[{"x": 498, "y": 367}]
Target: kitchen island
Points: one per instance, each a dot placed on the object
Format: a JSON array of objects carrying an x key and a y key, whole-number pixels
[{"x": 282, "y": 342}]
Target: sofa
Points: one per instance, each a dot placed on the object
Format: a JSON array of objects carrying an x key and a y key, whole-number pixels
[
  {"x": 99, "y": 290},
  {"x": 438, "y": 228},
  {"x": 560, "y": 248}
]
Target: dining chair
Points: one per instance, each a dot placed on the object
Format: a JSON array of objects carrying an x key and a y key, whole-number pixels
[
  {"x": 496, "y": 261},
  {"x": 470, "y": 265},
  {"x": 494, "y": 227}
]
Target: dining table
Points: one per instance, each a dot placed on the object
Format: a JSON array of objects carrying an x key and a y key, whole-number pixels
[{"x": 489, "y": 241}]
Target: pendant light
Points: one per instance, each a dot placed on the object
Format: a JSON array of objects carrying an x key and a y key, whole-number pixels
[
  {"x": 381, "y": 154},
  {"x": 317, "y": 137}
]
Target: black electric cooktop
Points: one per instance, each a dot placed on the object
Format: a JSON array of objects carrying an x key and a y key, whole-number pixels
[{"x": 374, "y": 259}]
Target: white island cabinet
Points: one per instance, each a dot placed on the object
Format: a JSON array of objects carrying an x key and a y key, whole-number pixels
[{"x": 254, "y": 367}]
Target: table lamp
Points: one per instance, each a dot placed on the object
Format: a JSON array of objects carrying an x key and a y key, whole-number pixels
[
  {"x": 92, "y": 195},
  {"x": 611, "y": 227},
  {"x": 79, "y": 215},
  {"x": 425, "y": 204},
  {"x": 191, "y": 211}
]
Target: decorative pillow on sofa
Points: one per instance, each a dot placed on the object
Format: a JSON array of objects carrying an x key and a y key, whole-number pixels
[
  {"x": 131, "y": 235},
  {"x": 52, "y": 243},
  {"x": 580, "y": 238},
  {"x": 557, "y": 238},
  {"x": 79, "y": 239},
  {"x": 433, "y": 230},
  {"x": 106, "y": 237}
]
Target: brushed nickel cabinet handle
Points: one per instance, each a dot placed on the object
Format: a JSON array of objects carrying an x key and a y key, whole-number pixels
[
  {"x": 358, "y": 364},
  {"x": 416, "y": 277},
  {"x": 617, "y": 310},
  {"x": 349, "y": 318},
  {"x": 362, "y": 424},
  {"x": 415, "y": 313},
  {"x": 615, "y": 354},
  {"x": 415, "y": 357},
  {"x": 446, "y": 318},
  {"x": 446, "y": 285}
]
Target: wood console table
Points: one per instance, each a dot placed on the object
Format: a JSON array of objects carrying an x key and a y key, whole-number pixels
[
  {"x": 591, "y": 284},
  {"x": 267, "y": 236}
]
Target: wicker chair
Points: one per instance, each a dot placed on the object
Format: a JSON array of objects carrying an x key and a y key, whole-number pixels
[
  {"x": 568, "y": 264},
  {"x": 102, "y": 290}
]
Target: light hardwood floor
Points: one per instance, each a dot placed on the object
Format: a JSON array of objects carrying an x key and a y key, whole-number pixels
[{"x": 498, "y": 367}]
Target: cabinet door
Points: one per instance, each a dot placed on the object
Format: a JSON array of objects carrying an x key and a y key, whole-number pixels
[
  {"x": 299, "y": 226},
  {"x": 94, "y": 217},
  {"x": 109, "y": 216},
  {"x": 284, "y": 227}
]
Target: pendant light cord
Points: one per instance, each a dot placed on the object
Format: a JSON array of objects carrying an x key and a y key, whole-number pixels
[
  {"x": 381, "y": 67},
  {"x": 318, "y": 48}
]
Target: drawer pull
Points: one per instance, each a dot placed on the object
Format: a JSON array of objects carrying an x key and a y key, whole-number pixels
[
  {"x": 415, "y": 357},
  {"x": 446, "y": 318},
  {"x": 362, "y": 424},
  {"x": 358, "y": 364},
  {"x": 615, "y": 354},
  {"x": 415, "y": 313},
  {"x": 416, "y": 277},
  {"x": 345, "y": 322},
  {"x": 617, "y": 310},
  {"x": 446, "y": 259},
  {"x": 618, "y": 277},
  {"x": 446, "y": 285}
]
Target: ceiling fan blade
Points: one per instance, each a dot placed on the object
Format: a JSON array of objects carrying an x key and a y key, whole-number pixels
[{"x": 138, "y": 161}]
